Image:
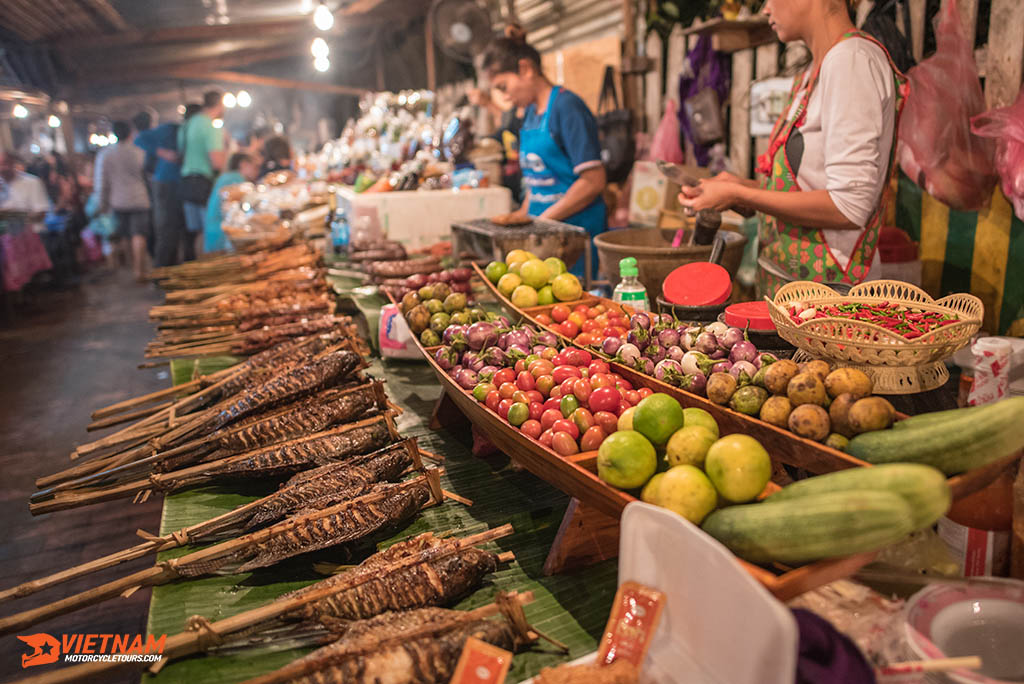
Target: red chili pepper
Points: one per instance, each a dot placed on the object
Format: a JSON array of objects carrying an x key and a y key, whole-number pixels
[{"x": 912, "y": 335}]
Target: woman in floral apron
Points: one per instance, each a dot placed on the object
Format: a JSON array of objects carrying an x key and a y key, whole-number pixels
[{"x": 830, "y": 155}]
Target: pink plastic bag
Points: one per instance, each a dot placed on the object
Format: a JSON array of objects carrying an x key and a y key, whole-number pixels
[
  {"x": 665, "y": 146},
  {"x": 937, "y": 149},
  {"x": 1006, "y": 125}
]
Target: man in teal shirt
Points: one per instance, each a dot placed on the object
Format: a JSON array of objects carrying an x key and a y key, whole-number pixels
[
  {"x": 202, "y": 154},
  {"x": 242, "y": 167}
]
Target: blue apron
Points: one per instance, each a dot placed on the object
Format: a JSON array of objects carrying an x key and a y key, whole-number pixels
[{"x": 547, "y": 173}]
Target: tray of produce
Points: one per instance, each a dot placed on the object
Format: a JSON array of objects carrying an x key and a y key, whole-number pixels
[
  {"x": 571, "y": 419},
  {"x": 523, "y": 281},
  {"x": 892, "y": 330},
  {"x": 488, "y": 239}
]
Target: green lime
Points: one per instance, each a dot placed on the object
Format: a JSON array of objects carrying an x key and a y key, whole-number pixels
[
  {"x": 657, "y": 417},
  {"x": 626, "y": 460},
  {"x": 545, "y": 296},
  {"x": 518, "y": 413},
  {"x": 568, "y": 404},
  {"x": 739, "y": 467},
  {"x": 495, "y": 270},
  {"x": 698, "y": 416}
]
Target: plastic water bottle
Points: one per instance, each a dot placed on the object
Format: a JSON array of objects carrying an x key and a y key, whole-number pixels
[{"x": 630, "y": 291}]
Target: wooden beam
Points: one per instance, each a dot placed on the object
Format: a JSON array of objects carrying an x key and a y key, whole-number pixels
[
  {"x": 917, "y": 28},
  {"x": 107, "y": 11},
  {"x": 23, "y": 20},
  {"x": 1005, "y": 67},
  {"x": 739, "y": 112},
  {"x": 766, "y": 65},
  {"x": 108, "y": 74},
  {"x": 431, "y": 66},
  {"x": 254, "y": 79}
]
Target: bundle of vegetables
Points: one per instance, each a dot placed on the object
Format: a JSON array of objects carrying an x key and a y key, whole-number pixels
[{"x": 909, "y": 322}]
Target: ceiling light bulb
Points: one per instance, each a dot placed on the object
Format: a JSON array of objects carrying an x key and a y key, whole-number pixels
[
  {"x": 54, "y": 121},
  {"x": 319, "y": 47},
  {"x": 243, "y": 98},
  {"x": 181, "y": 109},
  {"x": 323, "y": 18},
  {"x": 19, "y": 111},
  {"x": 321, "y": 64},
  {"x": 111, "y": 139},
  {"x": 229, "y": 100},
  {"x": 218, "y": 123},
  {"x": 306, "y": 6}
]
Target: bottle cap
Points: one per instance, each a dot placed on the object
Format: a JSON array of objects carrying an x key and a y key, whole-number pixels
[{"x": 627, "y": 268}]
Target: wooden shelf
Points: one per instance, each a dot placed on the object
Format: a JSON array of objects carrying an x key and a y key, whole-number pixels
[{"x": 733, "y": 35}]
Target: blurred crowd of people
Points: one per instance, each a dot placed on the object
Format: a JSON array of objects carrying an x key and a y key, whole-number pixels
[{"x": 150, "y": 199}]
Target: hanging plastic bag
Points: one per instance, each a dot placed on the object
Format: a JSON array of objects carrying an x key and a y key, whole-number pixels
[
  {"x": 1006, "y": 125},
  {"x": 937, "y": 149},
  {"x": 665, "y": 146}
]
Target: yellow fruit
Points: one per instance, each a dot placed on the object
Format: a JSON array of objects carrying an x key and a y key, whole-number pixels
[
  {"x": 556, "y": 267},
  {"x": 649, "y": 494},
  {"x": 545, "y": 296},
  {"x": 524, "y": 296},
  {"x": 698, "y": 416},
  {"x": 689, "y": 445},
  {"x": 626, "y": 460},
  {"x": 566, "y": 287},
  {"x": 626, "y": 419},
  {"x": 687, "y": 491},
  {"x": 508, "y": 283},
  {"x": 518, "y": 256},
  {"x": 534, "y": 273},
  {"x": 739, "y": 467}
]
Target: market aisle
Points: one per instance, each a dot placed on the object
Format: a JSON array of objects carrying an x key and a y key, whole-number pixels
[{"x": 76, "y": 351}]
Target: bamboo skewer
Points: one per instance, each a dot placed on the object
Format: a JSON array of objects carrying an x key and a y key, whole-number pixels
[
  {"x": 202, "y": 634},
  {"x": 118, "y": 418},
  {"x": 151, "y": 397},
  {"x": 169, "y": 570},
  {"x": 935, "y": 665}
]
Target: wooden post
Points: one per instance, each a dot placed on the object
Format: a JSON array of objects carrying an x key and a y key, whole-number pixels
[
  {"x": 1005, "y": 66},
  {"x": 653, "y": 95},
  {"x": 917, "y": 28},
  {"x": 431, "y": 66},
  {"x": 739, "y": 112},
  {"x": 766, "y": 66},
  {"x": 969, "y": 17}
]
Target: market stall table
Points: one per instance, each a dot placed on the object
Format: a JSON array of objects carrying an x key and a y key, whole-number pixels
[{"x": 571, "y": 608}]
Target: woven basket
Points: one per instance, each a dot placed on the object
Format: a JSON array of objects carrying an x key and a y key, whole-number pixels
[{"x": 896, "y": 365}]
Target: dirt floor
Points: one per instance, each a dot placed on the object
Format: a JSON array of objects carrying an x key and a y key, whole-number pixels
[{"x": 62, "y": 355}]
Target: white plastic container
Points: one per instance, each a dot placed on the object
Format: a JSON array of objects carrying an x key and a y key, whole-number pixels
[{"x": 394, "y": 337}]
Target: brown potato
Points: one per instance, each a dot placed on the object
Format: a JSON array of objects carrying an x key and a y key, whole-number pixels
[
  {"x": 848, "y": 380},
  {"x": 807, "y": 388},
  {"x": 778, "y": 375},
  {"x": 817, "y": 367},
  {"x": 721, "y": 387},
  {"x": 870, "y": 414},
  {"x": 776, "y": 411},
  {"x": 811, "y": 421},
  {"x": 839, "y": 413}
]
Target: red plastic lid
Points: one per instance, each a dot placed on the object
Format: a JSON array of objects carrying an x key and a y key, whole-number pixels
[
  {"x": 753, "y": 315},
  {"x": 699, "y": 283}
]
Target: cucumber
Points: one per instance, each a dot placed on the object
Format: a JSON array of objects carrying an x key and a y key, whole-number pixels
[
  {"x": 958, "y": 444},
  {"x": 811, "y": 528},
  {"x": 923, "y": 487},
  {"x": 934, "y": 418}
]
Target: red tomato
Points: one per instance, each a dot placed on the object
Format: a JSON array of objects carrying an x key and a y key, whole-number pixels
[
  {"x": 520, "y": 366},
  {"x": 564, "y": 425},
  {"x": 549, "y": 353},
  {"x": 610, "y": 331},
  {"x": 544, "y": 384},
  {"x": 590, "y": 326},
  {"x": 567, "y": 385},
  {"x": 536, "y": 410},
  {"x": 525, "y": 381},
  {"x": 560, "y": 312},
  {"x": 543, "y": 319},
  {"x": 535, "y": 396},
  {"x": 645, "y": 392},
  {"x": 581, "y": 309},
  {"x": 623, "y": 405},
  {"x": 531, "y": 428},
  {"x": 620, "y": 331},
  {"x": 553, "y": 403},
  {"x": 602, "y": 319},
  {"x": 492, "y": 400},
  {"x": 597, "y": 366},
  {"x": 592, "y": 438},
  {"x": 546, "y": 437},
  {"x": 570, "y": 329},
  {"x": 555, "y": 393},
  {"x": 503, "y": 406},
  {"x": 583, "y": 419},
  {"x": 559, "y": 359},
  {"x": 632, "y": 396},
  {"x": 502, "y": 376},
  {"x": 540, "y": 367},
  {"x": 581, "y": 388},
  {"x": 520, "y": 397},
  {"x": 604, "y": 399},
  {"x": 580, "y": 357},
  {"x": 564, "y": 445},
  {"x": 600, "y": 380},
  {"x": 562, "y": 373},
  {"x": 608, "y": 421},
  {"x": 615, "y": 378},
  {"x": 507, "y": 389},
  {"x": 548, "y": 417},
  {"x": 584, "y": 373},
  {"x": 584, "y": 339},
  {"x": 594, "y": 312},
  {"x": 626, "y": 383},
  {"x": 577, "y": 318}
]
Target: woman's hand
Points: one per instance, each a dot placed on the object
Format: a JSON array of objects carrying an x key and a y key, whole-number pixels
[{"x": 715, "y": 193}]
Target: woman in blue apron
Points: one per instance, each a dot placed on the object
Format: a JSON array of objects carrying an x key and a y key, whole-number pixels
[{"x": 559, "y": 152}]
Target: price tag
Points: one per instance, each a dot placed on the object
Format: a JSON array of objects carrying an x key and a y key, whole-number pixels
[
  {"x": 481, "y": 663},
  {"x": 631, "y": 625}
]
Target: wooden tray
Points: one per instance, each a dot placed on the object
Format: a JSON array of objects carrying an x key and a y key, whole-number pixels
[{"x": 576, "y": 475}]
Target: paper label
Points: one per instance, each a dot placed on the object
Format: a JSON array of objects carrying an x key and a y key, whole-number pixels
[
  {"x": 991, "y": 372},
  {"x": 481, "y": 663},
  {"x": 631, "y": 625},
  {"x": 979, "y": 552}
]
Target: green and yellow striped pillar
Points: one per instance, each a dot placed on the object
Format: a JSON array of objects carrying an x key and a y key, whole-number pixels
[{"x": 981, "y": 252}]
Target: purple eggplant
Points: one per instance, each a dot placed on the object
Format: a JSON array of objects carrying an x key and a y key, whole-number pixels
[
  {"x": 640, "y": 320},
  {"x": 502, "y": 340},
  {"x": 730, "y": 338},
  {"x": 455, "y": 370},
  {"x": 655, "y": 352},
  {"x": 705, "y": 343},
  {"x": 610, "y": 345},
  {"x": 722, "y": 367},
  {"x": 487, "y": 372},
  {"x": 669, "y": 337},
  {"x": 450, "y": 332},
  {"x": 764, "y": 359},
  {"x": 639, "y": 337},
  {"x": 503, "y": 322},
  {"x": 696, "y": 383},
  {"x": 675, "y": 353},
  {"x": 716, "y": 328},
  {"x": 481, "y": 334},
  {"x": 719, "y": 354},
  {"x": 446, "y": 358},
  {"x": 467, "y": 378},
  {"x": 517, "y": 351},
  {"x": 743, "y": 371},
  {"x": 474, "y": 362},
  {"x": 494, "y": 356},
  {"x": 644, "y": 365},
  {"x": 546, "y": 338},
  {"x": 669, "y": 371},
  {"x": 628, "y": 354},
  {"x": 519, "y": 336},
  {"x": 742, "y": 351}
]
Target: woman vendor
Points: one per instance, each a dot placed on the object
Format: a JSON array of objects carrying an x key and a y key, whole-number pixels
[
  {"x": 559, "y": 152},
  {"x": 830, "y": 155}
]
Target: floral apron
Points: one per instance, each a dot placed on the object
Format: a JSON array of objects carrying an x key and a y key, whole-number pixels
[{"x": 794, "y": 252}]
